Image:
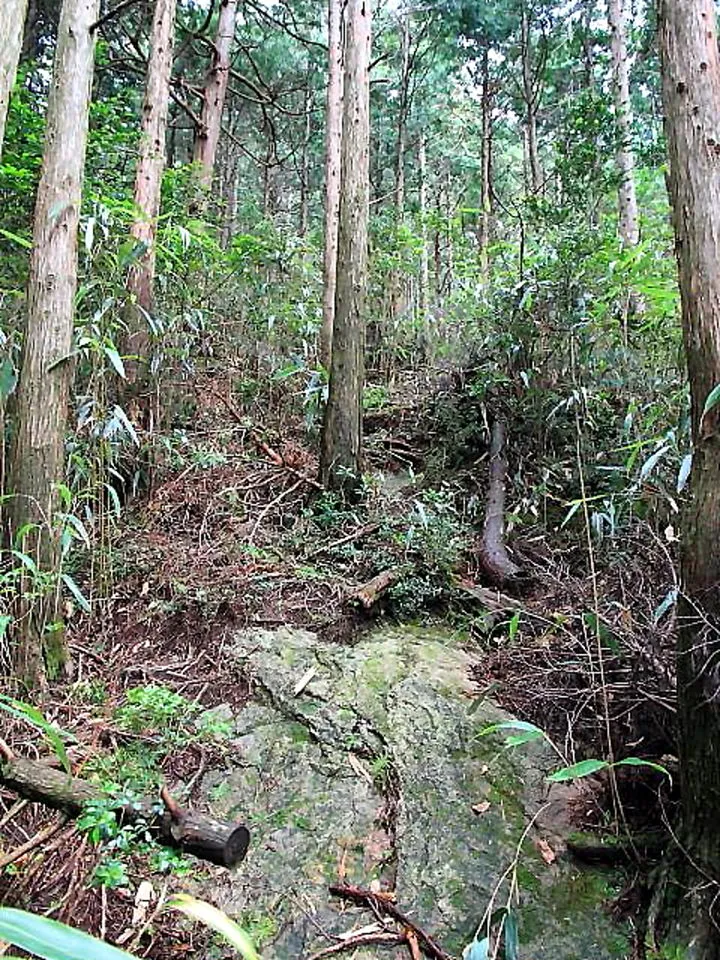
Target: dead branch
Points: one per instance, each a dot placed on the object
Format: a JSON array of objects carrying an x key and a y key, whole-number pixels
[
  {"x": 381, "y": 905},
  {"x": 349, "y": 943},
  {"x": 33, "y": 842},
  {"x": 219, "y": 842},
  {"x": 493, "y": 553},
  {"x": 489, "y": 598},
  {"x": 349, "y": 538}
]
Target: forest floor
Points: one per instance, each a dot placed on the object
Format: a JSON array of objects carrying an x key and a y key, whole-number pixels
[{"x": 235, "y": 533}]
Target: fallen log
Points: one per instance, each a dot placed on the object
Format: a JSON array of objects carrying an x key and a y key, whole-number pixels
[{"x": 217, "y": 841}]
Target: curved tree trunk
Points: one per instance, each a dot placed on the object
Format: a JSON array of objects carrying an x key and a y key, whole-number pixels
[
  {"x": 341, "y": 447},
  {"x": 628, "y": 220},
  {"x": 38, "y": 456},
  {"x": 12, "y": 22},
  {"x": 148, "y": 182},
  {"x": 208, "y": 136},
  {"x": 691, "y": 96},
  {"x": 333, "y": 138}
]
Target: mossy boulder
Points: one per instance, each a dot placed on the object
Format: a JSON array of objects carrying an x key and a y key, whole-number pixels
[{"x": 364, "y": 763}]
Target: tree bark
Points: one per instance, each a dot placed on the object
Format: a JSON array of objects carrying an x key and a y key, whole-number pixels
[
  {"x": 305, "y": 161},
  {"x": 38, "y": 455},
  {"x": 424, "y": 287},
  {"x": 207, "y": 136},
  {"x": 628, "y": 218},
  {"x": 148, "y": 183},
  {"x": 403, "y": 109},
  {"x": 341, "y": 446},
  {"x": 333, "y": 137},
  {"x": 691, "y": 97},
  {"x": 493, "y": 553},
  {"x": 12, "y": 22},
  {"x": 486, "y": 162},
  {"x": 530, "y": 97}
]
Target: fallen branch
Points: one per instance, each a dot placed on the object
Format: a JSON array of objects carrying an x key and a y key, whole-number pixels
[
  {"x": 33, "y": 842},
  {"x": 387, "y": 939},
  {"x": 217, "y": 841},
  {"x": 492, "y": 599},
  {"x": 382, "y": 905},
  {"x": 493, "y": 553},
  {"x": 369, "y": 593},
  {"x": 273, "y": 455},
  {"x": 349, "y": 538}
]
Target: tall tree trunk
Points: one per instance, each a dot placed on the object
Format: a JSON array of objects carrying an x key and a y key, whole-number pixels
[
  {"x": 403, "y": 109},
  {"x": 424, "y": 253},
  {"x": 305, "y": 162},
  {"x": 333, "y": 137},
  {"x": 12, "y": 22},
  {"x": 38, "y": 455},
  {"x": 148, "y": 182},
  {"x": 530, "y": 97},
  {"x": 208, "y": 136},
  {"x": 691, "y": 96},
  {"x": 341, "y": 447},
  {"x": 486, "y": 161},
  {"x": 628, "y": 222}
]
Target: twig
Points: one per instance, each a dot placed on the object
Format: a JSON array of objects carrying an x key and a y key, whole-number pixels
[
  {"x": 33, "y": 842},
  {"x": 111, "y": 14},
  {"x": 359, "y": 895},
  {"x": 355, "y": 535},
  {"x": 413, "y": 945},
  {"x": 391, "y": 939},
  {"x": 273, "y": 503},
  {"x": 5, "y": 751}
]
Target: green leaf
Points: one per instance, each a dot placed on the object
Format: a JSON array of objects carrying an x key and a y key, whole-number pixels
[
  {"x": 26, "y": 561},
  {"x": 713, "y": 398},
  {"x": 582, "y": 769},
  {"x": 52, "y": 940},
  {"x": 638, "y": 762},
  {"x": 76, "y": 592},
  {"x": 116, "y": 360},
  {"x": 652, "y": 461},
  {"x": 513, "y": 625},
  {"x": 122, "y": 418},
  {"x": 217, "y": 920},
  {"x": 662, "y": 608},
  {"x": 30, "y": 714},
  {"x": 518, "y": 739},
  {"x": 8, "y": 378},
  {"x": 512, "y": 937},
  {"x": 5, "y": 621},
  {"x": 20, "y": 241},
  {"x": 477, "y": 950},
  {"x": 684, "y": 472},
  {"x": 510, "y": 725}
]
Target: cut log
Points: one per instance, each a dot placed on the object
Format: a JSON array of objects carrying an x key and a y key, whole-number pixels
[
  {"x": 369, "y": 593},
  {"x": 217, "y": 841},
  {"x": 493, "y": 553}
]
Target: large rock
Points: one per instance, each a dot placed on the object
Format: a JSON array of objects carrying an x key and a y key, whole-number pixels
[{"x": 364, "y": 763}]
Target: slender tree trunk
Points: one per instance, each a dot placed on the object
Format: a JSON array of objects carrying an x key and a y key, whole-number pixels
[
  {"x": 424, "y": 253},
  {"x": 530, "y": 96},
  {"x": 12, "y": 22},
  {"x": 305, "y": 163},
  {"x": 208, "y": 136},
  {"x": 148, "y": 183},
  {"x": 628, "y": 221},
  {"x": 333, "y": 137},
  {"x": 38, "y": 456},
  {"x": 341, "y": 448},
  {"x": 486, "y": 170},
  {"x": 691, "y": 96},
  {"x": 403, "y": 108}
]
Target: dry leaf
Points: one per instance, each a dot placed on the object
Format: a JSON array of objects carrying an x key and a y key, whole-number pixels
[
  {"x": 143, "y": 898},
  {"x": 481, "y": 808},
  {"x": 546, "y": 851}
]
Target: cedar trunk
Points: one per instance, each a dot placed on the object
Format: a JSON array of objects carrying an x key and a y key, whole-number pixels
[
  {"x": 12, "y": 22},
  {"x": 628, "y": 221},
  {"x": 148, "y": 182},
  {"x": 333, "y": 137},
  {"x": 207, "y": 136},
  {"x": 691, "y": 96},
  {"x": 38, "y": 456},
  {"x": 486, "y": 167},
  {"x": 340, "y": 460},
  {"x": 530, "y": 96}
]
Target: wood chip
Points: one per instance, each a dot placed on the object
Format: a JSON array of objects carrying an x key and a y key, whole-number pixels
[
  {"x": 304, "y": 681},
  {"x": 546, "y": 851},
  {"x": 480, "y": 808},
  {"x": 360, "y": 769}
]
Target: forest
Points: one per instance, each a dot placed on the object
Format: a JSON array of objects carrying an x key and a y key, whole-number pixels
[{"x": 360, "y": 479}]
